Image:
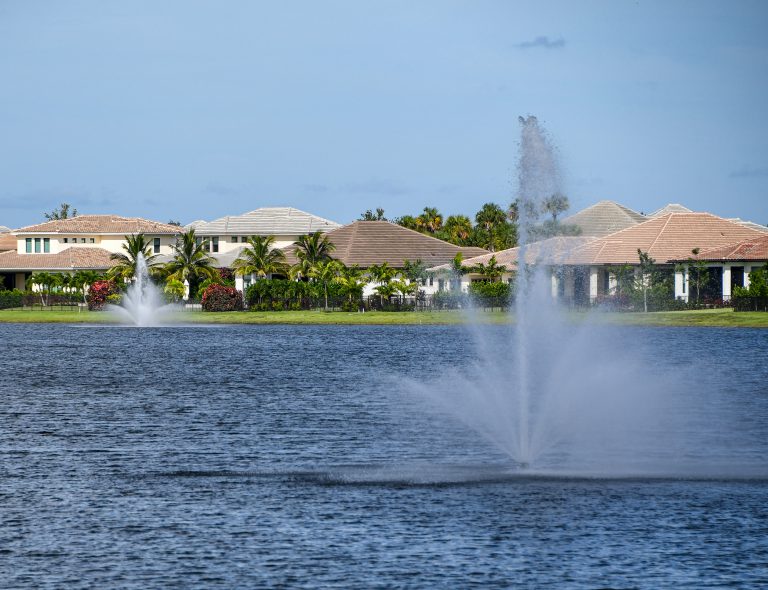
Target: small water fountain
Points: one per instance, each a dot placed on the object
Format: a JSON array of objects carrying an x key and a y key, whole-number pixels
[{"x": 142, "y": 304}]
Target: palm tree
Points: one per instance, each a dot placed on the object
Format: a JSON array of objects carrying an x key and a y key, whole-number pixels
[
  {"x": 325, "y": 272},
  {"x": 383, "y": 274},
  {"x": 554, "y": 205},
  {"x": 457, "y": 229},
  {"x": 259, "y": 257},
  {"x": 491, "y": 219},
  {"x": 135, "y": 245},
  {"x": 404, "y": 287},
  {"x": 430, "y": 221},
  {"x": 46, "y": 281},
  {"x": 491, "y": 271},
  {"x": 191, "y": 262},
  {"x": 352, "y": 281},
  {"x": 174, "y": 288},
  {"x": 310, "y": 250},
  {"x": 83, "y": 279}
]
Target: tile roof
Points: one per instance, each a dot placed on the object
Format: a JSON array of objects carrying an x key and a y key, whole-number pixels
[
  {"x": 750, "y": 224},
  {"x": 75, "y": 258},
  {"x": 4, "y": 230},
  {"x": 551, "y": 250},
  {"x": 7, "y": 242},
  {"x": 266, "y": 221},
  {"x": 100, "y": 224},
  {"x": 670, "y": 208},
  {"x": 604, "y": 218},
  {"x": 751, "y": 249},
  {"x": 667, "y": 238},
  {"x": 366, "y": 243}
]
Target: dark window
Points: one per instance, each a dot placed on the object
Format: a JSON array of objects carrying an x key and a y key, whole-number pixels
[
  {"x": 46, "y": 245},
  {"x": 66, "y": 240},
  {"x": 216, "y": 244},
  {"x": 156, "y": 245},
  {"x": 93, "y": 240},
  {"x": 234, "y": 239}
]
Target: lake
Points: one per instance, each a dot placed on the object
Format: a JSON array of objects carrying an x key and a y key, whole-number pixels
[{"x": 308, "y": 456}]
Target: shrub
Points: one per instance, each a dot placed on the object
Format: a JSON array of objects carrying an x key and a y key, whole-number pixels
[
  {"x": 449, "y": 300},
  {"x": 9, "y": 299},
  {"x": 99, "y": 293},
  {"x": 486, "y": 294},
  {"x": 222, "y": 298}
]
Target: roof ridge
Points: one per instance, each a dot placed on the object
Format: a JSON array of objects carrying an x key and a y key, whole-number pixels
[{"x": 661, "y": 231}]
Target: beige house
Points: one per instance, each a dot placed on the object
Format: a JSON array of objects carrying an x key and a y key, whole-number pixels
[{"x": 84, "y": 242}]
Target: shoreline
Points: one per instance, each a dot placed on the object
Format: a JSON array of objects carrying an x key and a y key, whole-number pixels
[{"x": 702, "y": 318}]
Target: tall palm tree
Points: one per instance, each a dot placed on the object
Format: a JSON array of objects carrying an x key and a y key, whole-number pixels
[
  {"x": 383, "y": 274},
  {"x": 310, "y": 250},
  {"x": 260, "y": 257},
  {"x": 430, "y": 221},
  {"x": 125, "y": 264},
  {"x": 45, "y": 281},
  {"x": 457, "y": 229},
  {"x": 191, "y": 262}
]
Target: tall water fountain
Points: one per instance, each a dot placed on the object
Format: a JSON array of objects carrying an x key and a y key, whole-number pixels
[
  {"x": 142, "y": 303},
  {"x": 562, "y": 395}
]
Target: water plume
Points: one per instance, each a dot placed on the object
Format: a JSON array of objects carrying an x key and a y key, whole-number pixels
[{"x": 142, "y": 303}]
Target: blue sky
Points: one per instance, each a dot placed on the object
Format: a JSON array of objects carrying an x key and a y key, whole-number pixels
[{"x": 193, "y": 110}]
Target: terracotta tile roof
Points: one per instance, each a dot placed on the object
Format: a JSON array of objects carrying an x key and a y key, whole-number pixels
[
  {"x": 551, "y": 250},
  {"x": 366, "y": 243},
  {"x": 604, "y": 218},
  {"x": 670, "y": 208},
  {"x": 666, "y": 238},
  {"x": 751, "y": 249},
  {"x": 78, "y": 258},
  {"x": 266, "y": 221},
  {"x": 7, "y": 242},
  {"x": 101, "y": 224}
]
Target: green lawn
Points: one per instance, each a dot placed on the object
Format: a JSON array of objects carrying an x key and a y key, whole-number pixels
[{"x": 715, "y": 317}]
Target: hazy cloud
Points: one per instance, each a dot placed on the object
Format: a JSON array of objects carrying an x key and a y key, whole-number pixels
[
  {"x": 44, "y": 199},
  {"x": 750, "y": 172},
  {"x": 543, "y": 42},
  {"x": 375, "y": 187},
  {"x": 216, "y": 188},
  {"x": 316, "y": 188}
]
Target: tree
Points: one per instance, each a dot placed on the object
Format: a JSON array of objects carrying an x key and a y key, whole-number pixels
[
  {"x": 83, "y": 279},
  {"x": 404, "y": 287},
  {"x": 492, "y": 222},
  {"x": 371, "y": 216},
  {"x": 383, "y": 274},
  {"x": 408, "y": 221},
  {"x": 491, "y": 271},
  {"x": 698, "y": 273},
  {"x": 414, "y": 271},
  {"x": 554, "y": 205},
  {"x": 311, "y": 249},
  {"x": 352, "y": 280},
  {"x": 647, "y": 267},
  {"x": 191, "y": 262},
  {"x": 175, "y": 289},
  {"x": 125, "y": 264},
  {"x": 457, "y": 230},
  {"x": 325, "y": 272},
  {"x": 64, "y": 211},
  {"x": 45, "y": 282},
  {"x": 174, "y": 222},
  {"x": 260, "y": 257},
  {"x": 624, "y": 278},
  {"x": 430, "y": 221}
]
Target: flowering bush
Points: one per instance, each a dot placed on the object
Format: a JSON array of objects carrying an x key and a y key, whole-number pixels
[
  {"x": 98, "y": 294},
  {"x": 222, "y": 298}
]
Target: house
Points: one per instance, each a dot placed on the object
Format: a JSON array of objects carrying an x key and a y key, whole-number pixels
[
  {"x": 84, "y": 242},
  {"x": 733, "y": 263},
  {"x": 604, "y": 218},
  {"x": 589, "y": 270},
  {"x": 226, "y": 237},
  {"x": 549, "y": 252},
  {"x": 372, "y": 243}
]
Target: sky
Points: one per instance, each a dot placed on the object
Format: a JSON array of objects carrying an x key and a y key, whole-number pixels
[{"x": 185, "y": 110}]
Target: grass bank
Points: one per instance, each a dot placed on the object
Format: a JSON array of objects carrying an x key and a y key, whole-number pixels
[{"x": 704, "y": 318}]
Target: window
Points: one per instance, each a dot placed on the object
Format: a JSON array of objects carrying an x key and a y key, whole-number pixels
[
  {"x": 37, "y": 245},
  {"x": 82, "y": 240},
  {"x": 684, "y": 281},
  {"x": 93, "y": 240},
  {"x": 156, "y": 245},
  {"x": 234, "y": 239},
  {"x": 29, "y": 245},
  {"x": 66, "y": 240},
  {"x": 431, "y": 280},
  {"x": 215, "y": 241},
  {"x": 47, "y": 245},
  {"x": 440, "y": 284}
]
